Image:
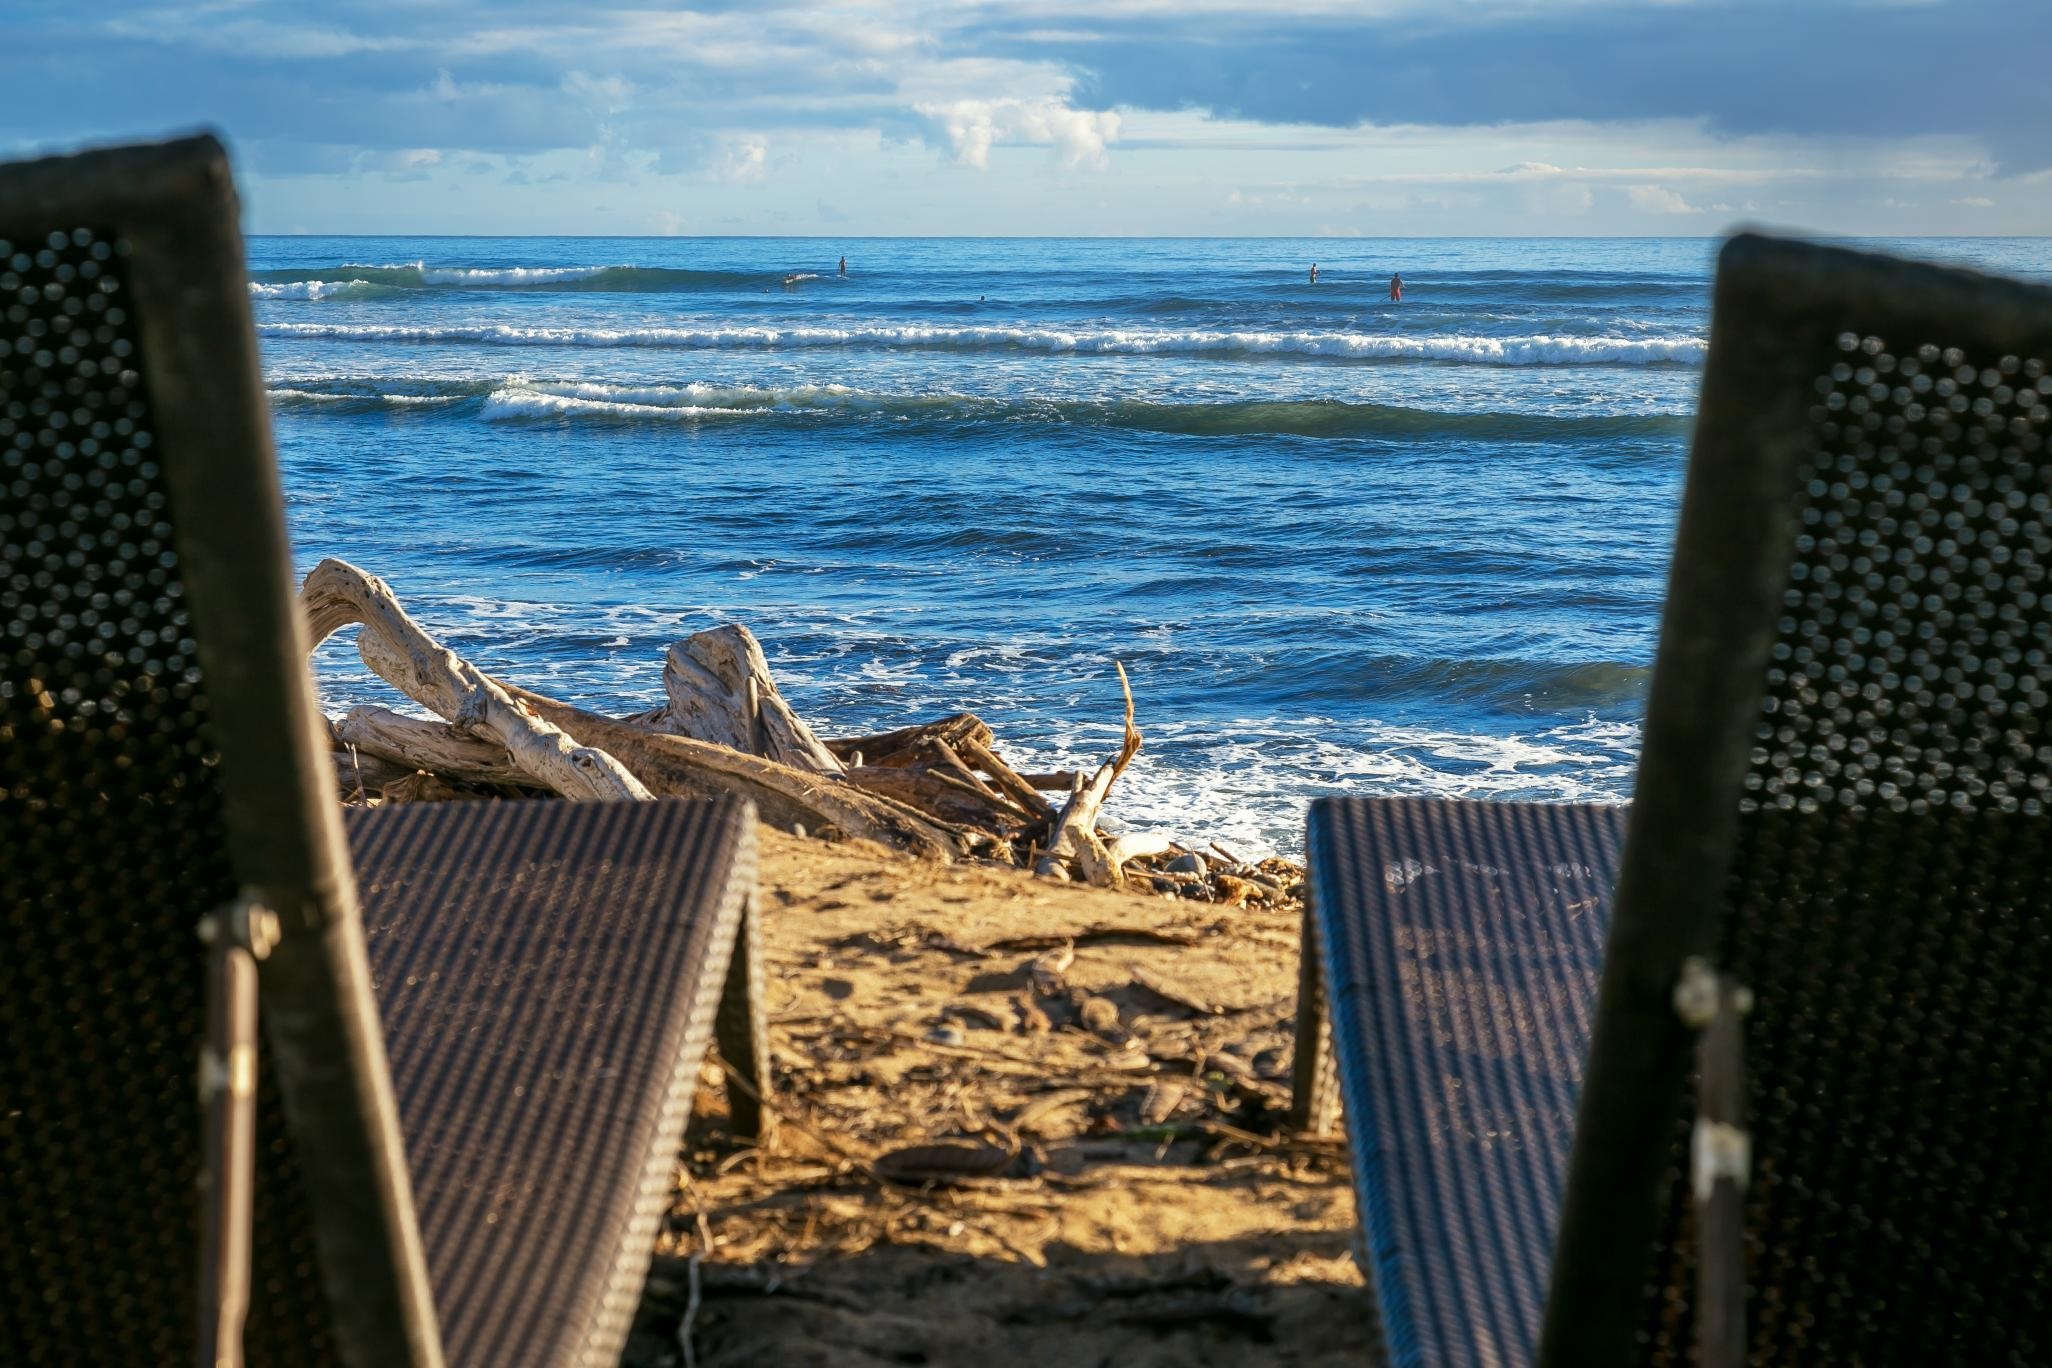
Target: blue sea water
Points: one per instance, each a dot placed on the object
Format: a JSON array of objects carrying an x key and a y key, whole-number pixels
[{"x": 1342, "y": 545}]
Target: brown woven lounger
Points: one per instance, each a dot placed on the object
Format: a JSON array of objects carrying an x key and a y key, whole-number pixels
[
  {"x": 1839, "y": 837},
  {"x": 456, "y": 1137}
]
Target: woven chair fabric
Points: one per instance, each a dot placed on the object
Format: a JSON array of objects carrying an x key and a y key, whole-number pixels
[
  {"x": 1460, "y": 945},
  {"x": 548, "y": 975}
]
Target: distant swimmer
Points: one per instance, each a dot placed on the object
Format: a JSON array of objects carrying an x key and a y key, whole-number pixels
[
  {"x": 844, "y": 265},
  {"x": 1396, "y": 289},
  {"x": 1314, "y": 273}
]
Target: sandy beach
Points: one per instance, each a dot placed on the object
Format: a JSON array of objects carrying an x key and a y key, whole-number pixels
[{"x": 1137, "y": 1198}]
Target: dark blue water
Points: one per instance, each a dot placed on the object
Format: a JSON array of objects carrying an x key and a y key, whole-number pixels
[{"x": 1341, "y": 544}]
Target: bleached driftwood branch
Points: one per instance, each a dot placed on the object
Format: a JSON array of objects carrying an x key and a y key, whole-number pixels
[
  {"x": 336, "y": 594},
  {"x": 682, "y": 766},
  {"x": 434, "y": 746},
  {"x": 554, "y": 744},
  {"x": 1075, "y": 830},
  {"x": 720, "y": 690}
]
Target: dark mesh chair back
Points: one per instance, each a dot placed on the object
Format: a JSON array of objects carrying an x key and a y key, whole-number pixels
[
  {"x": 157, "y": 761},
  {"x": 1843, "y": 801}
]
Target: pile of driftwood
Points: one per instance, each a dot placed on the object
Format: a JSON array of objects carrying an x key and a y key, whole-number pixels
[{"x": 938, "y": 789}]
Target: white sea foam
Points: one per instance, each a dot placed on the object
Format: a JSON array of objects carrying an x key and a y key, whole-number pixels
[
  {"x": 527, "y": 403},
  {"x": 307, "y": 289},
  {"x": 1538, "y": 350},
  {"x": 523, "y": 399},
  {"x": 700, "y": 395},
  {"x": 293, "y": 395},
  {"x": 507, "y": 275},
  {"x": 309, "y": 396},
  {"x": 1248, "y": 781}
]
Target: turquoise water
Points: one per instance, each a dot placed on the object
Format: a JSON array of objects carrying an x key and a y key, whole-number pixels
[{"x": 1341, "y": 544}]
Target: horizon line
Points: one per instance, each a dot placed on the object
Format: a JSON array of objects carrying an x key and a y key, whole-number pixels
[{"x": 1201, "y": 237}]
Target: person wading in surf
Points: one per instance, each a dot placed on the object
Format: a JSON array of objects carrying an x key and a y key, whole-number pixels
[
  {"x": 1314, "y": 273},
  {"x": 844, "y": 265},
  {"x": 1396, "y": 289}
]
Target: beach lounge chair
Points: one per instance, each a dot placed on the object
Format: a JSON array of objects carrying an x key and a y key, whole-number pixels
[
  {"x": 458, "y": 1126},
  {"x": 1838, "y": 849}
]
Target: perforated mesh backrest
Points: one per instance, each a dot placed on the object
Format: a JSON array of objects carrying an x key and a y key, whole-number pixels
[
  {"x": 154, "y": 763},
  {"x": 112, "y": 820},
  {"x": 1890, "y": 891},
  {"x": 1883, "y": 838}
]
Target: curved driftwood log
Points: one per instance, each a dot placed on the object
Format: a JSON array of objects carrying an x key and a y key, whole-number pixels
[
  {"x": 907, "y": 745},
  {"x": 941, "y": 796},
  {"x": 934, "y": 767},
  {"x": 685, "y": 767},
  {"x": 720, "y": 690},
  {"x": 1075, "y": 830},
  {"x": 337, "y": 594},
  {"x": 552, "y": 742},
  {"x": 437, "y": 747}
]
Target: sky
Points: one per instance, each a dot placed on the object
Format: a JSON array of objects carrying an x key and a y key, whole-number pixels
[{"x": 1072, "y": 117}]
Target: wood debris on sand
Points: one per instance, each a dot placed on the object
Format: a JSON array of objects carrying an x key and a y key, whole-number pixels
[{"x": 938, "y": 789}]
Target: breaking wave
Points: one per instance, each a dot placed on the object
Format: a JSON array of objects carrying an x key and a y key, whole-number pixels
[
  {"x": 522, "y": 398},
  {"x": 1544, "y": 350},
  {"x": 316, "y": 289},
  {"x": 324, "y": 282}
]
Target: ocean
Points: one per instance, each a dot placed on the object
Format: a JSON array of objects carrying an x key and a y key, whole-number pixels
[{"x": 1341, "y": 544}]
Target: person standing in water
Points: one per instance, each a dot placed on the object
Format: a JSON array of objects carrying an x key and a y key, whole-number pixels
[
  {"x": 1396, "y": 289},
  {"x": 1314, "y": 273},
  {"x": 844, "y": 265}
]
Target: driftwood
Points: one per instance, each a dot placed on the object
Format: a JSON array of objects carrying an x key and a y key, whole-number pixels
[
  {"x": 1015, "y": 787},
  {"x": 337, "y": 594},
  {"x": 360, "y": 778},
  {"x": 946, "y": 768},
  {"x": 580, "y": 754},
  {"x": 903, "y": 746},
  {"x": 684, "y": 767},
  {"x": 1052, "y": 781},
  {"x": 1074, "y": 835},
  {"x": 938, "y": 795},
  {"x": 420, "y": 744},
  {"x": 936, "y": 788},
  {"x": 720, "y": 690},
  {"x": 1134, "y": 845}
]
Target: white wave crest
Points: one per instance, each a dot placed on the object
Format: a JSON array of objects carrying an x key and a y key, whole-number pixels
[
  {"x": 519, "y": 396},
  {"x": 307, "y": 289},
  {"x": 292, "y": 394},
  {"x": 505, "y": 404},
  {"x": 1542, "y": 350},
  {"x": 510, "y": 275}
]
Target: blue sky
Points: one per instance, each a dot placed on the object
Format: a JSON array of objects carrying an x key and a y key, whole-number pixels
[{"x": 1292, "y": 117}]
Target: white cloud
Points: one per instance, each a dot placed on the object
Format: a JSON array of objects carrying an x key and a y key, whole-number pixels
[
  {"x": 1658, "y": 199},
  {"x": 741, "y": 160},
  {"x": 611, "y": 93},
  {"x": 1079, "y": 137},
  {"x": 869, "y": 106}
]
